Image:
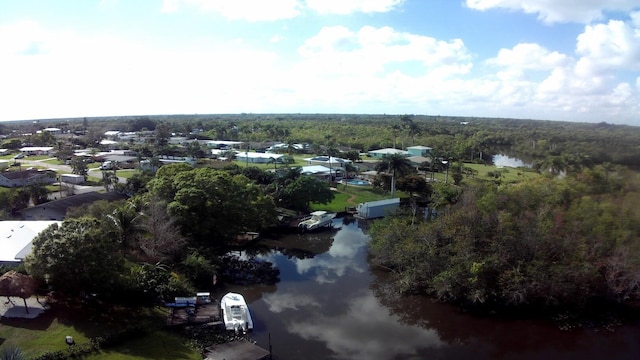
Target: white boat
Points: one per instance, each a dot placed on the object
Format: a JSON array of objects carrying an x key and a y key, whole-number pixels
[
  {"x": 316, "y": 220},
  {"x": 235, "y": 313}
]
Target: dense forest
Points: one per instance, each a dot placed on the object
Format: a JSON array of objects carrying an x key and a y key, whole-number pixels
[{"x": 470, "y": 139}]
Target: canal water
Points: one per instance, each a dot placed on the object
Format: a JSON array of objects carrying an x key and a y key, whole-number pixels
[{"x": 330, "y": 304}]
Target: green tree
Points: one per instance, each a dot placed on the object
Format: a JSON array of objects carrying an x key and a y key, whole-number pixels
[
  {"x": 126, "y": 225},
  {"x": 79, "y": 167},
  {"x": 414, "y": 184},
  {"x": 162, "y": 135},
  {"x": 38, "y": 193},
  {"x": 395, "y": 165},
  {"x": 305, "y": 189},
  {"x": 211, "y": 205},
  {"x": 76, "y": 257}
]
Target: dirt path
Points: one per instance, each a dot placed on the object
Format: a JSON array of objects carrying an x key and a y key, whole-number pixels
[{"x": 349, "y": 200}]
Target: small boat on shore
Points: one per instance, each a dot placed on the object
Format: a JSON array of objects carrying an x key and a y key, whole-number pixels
[
  {"x": 235, "y": 313},
  {"x": 316, "y": 220}
]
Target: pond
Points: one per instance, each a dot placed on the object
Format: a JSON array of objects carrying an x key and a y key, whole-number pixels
[
  {"x": 507, "y": 161},
  {"x": 329, "y": 304}
]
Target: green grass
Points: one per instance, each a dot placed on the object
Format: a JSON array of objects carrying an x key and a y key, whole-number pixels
[
  {"x": 38, "y": 157},
  {"x": 157, "y": 345},
  {"x": 508, "y": 175},
  {"x": 127, "y": 174},
  {"x": 47, "y": 332},
  {"x": 357, "y": 194}
]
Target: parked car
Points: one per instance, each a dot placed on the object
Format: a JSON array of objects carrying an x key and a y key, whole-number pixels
[
  {"x": 19, "y": 156},
  {"x": 107, "y": 165}
]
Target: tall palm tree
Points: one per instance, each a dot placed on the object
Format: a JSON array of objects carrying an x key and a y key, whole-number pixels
[
  {"x": 394, "y": 164},
  {"x": 413, "y": 129},
  {"x": 395, "y": 131}
]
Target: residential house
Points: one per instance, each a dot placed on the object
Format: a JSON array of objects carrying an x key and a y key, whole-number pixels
[
  {"x": 27, "y": 177},
  {"x": 37, "y": 150},
  {"x": 57, "y": 209},
  {"x": 16, "y": 238},
  {"x": 380, "y": 153},
  {"x": 419, "y": 150},
  {"x": 258, "y": 158}
]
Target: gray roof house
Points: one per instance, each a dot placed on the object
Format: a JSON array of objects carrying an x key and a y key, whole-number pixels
[{"x": 27, "y": 177}]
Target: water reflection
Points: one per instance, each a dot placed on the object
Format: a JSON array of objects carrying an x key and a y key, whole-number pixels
[
  {"x": 339, "y": 260},
  {"x": 366, "y": 330},
  {"x": 331, "y": 305}
]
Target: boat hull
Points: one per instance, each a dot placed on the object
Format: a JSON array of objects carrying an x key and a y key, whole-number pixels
[{"x": 235, "y": 313}]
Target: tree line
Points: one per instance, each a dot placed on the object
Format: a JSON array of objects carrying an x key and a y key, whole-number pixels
[{"x": 549, "y": 243}]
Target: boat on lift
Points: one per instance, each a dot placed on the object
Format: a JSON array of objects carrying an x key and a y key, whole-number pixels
[
  {"x": 316, "y": 220},
  {"x": 235, "y": 313}
]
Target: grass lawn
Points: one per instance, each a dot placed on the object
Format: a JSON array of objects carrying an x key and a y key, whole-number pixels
[
  {"x": 508, "y": 175},
  {"x": 38, "y": 157},
  {"x": 160, "y": 344},
  {"x": 351, "y": 196},
  {"x": 47, "y": 333},
  {"x": 127, "y": 174}
]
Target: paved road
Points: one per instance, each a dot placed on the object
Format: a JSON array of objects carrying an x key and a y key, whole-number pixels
[{"x": 61, "y": 168}]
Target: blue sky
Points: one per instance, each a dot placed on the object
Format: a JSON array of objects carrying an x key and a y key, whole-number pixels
[{"x": 575, "y": 60}]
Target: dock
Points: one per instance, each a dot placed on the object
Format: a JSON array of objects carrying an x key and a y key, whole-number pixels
[
  {"x": 236, "y": 350},
  {"x": 200, "y": 314}
]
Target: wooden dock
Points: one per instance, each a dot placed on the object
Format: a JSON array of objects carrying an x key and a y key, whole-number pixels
[{"x": 200, "y": 314}]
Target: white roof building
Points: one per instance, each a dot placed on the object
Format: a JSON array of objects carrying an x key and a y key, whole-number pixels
[
  {"x": 256, "y": 157},
  {"x": 16, "y": 237},
  {"x": 327, "y": 161},
  {"x": 387, "y": 151}
]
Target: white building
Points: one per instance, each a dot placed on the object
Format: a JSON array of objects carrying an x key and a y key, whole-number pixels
[
  {"x": 37, "y": 150},
  {"x": 380, "y": 153},
  {"x": 258, "y": 158},
  {"x": 16, "y": 237}
]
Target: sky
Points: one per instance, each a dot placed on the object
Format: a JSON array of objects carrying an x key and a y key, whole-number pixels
[{"x": 569, "y": 60}]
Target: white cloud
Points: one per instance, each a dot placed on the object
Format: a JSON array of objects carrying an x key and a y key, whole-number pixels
[
  {"x": 583, "y": 11},
  {"x": 49, "y": 73},
  {"x": 370, "y": 50},
  {"x": 271, "y": 10},
  {"x": 529, "y": 56},
  {"x": 615, "y": 45},
  {"x": 344, "y": 7},
  {"x": 249, "y": 10}
]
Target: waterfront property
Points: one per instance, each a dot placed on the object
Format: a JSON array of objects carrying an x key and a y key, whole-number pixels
[{"x": 376, "y": 209}]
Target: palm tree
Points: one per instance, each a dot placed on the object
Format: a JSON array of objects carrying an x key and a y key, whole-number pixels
[
  {"x": 126, "y": 222},
  {"x": 395, "y": 131},
  {"x": 413, "y": 129},
  {"x": 274, "y": 161},
  {"x": 394, "y": 164}
]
